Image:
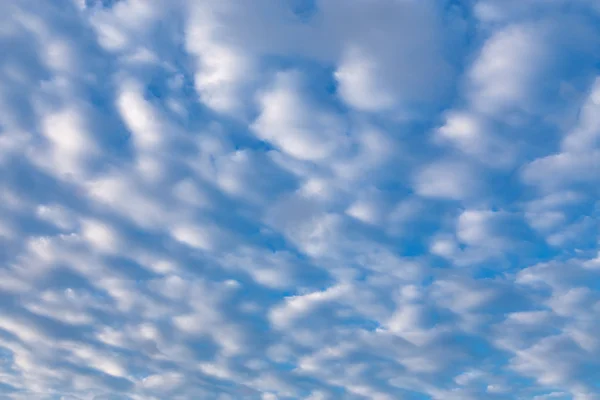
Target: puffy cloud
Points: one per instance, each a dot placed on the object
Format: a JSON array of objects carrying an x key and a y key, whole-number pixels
[
  {"x": 504, "y": 71},
  {"x": 587, "y": 133},
  {"x": 294, "y": 125},
  {"x": 447, "y": 179},
  {"x": 476, "y": 137},
  {"x": 299, "y": 200},
  {"x": 223, "y": 69},
  {"x": 378, "y": 74}
]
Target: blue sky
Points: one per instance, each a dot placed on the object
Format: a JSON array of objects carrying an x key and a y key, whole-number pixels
[{"x": 295, "y": 199}]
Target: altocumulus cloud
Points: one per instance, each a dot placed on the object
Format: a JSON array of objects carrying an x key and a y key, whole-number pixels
[{"x": 299, "y": 199}]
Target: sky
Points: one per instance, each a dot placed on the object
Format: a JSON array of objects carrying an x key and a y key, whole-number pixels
[{"x": 300, "y": 199}]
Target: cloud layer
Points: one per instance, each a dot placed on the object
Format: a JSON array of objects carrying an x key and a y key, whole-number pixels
[{"x": 326, "y": 199}]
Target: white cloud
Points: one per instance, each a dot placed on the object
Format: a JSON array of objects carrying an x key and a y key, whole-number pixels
[
  {"x": 223, "y": 69},
  {"x": 71, "y": 145},
  {"x": 378, "y": 74},
  {"x": 475, "y": 137},
  {"x": 563, "y": 169},
  {"x": 202, "y": 236},
  {"x": 140, "y": 118},
  {"x": 586, "y": 134},
  {"x": 503, "y": 74},
  {"x": 357, "y": 76},
  {"x": 290, "y": 122},
  {"x": 299, "y": 200},
  {"x": 446, "y": 180}
]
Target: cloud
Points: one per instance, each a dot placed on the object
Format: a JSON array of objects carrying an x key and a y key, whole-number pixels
[
  {"x": 294, "y": 125},
  {"x": 447, "y": 179},
  {"x": 376, "y": 74},
  {"x": 388, "y": 199}
]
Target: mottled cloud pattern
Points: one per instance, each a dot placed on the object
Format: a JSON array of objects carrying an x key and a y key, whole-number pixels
[{"x": 300, "y": 199}]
